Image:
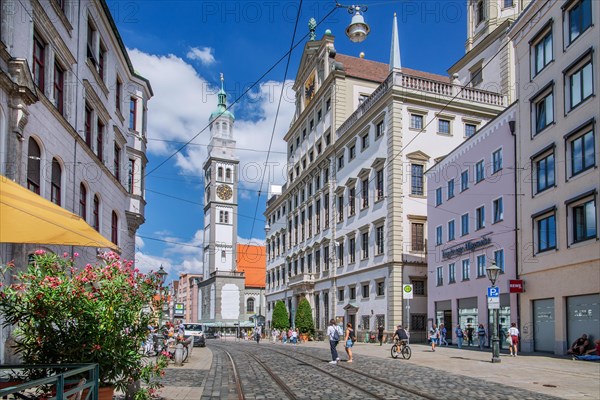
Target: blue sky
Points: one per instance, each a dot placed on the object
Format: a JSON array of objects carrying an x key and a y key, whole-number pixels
[{"x": 183, "y": 46}]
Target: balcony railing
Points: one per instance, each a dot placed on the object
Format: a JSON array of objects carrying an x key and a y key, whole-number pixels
[{"x": 301, "y": 278}]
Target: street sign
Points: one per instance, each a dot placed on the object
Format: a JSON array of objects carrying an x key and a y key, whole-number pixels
[
  {"x": 493, "y": 298},
  {"x": 515, "y": 285},
  {"x": 493, "y": 291},
  {"x": 407, "y": 291}
]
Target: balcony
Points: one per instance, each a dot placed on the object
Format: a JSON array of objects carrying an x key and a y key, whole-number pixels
[{"x": 301, "y": 279}]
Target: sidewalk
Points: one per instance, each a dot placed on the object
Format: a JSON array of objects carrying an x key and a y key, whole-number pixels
[{"x": 555, "y": 376}]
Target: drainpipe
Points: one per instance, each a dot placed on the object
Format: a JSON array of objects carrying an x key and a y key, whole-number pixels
[{"x": 512, "y": 126}]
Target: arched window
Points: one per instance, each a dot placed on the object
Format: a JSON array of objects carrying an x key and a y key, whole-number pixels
[
  {"x": 33, "y": 166},
  {"x": 82, "y": 201},
  {"x": 223, "y": 256},
  {"x": 114, "y": 228},
  {"x": 96, "y": 213},
  {"x": 228, "y": 174},
  {"x": 250, "y": 305},
  {"x": 56, "y": 180},
  {"x": 220, "y": 173}
]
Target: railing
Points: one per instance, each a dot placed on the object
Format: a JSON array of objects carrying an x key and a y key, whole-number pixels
[
  {"x": 226, "y": 273},
  {"x": 301, "y": 278},
  {"x": 78, "y": 379}
]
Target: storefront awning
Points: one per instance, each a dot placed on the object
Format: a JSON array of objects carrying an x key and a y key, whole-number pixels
[{"x": 26, "y": 217}]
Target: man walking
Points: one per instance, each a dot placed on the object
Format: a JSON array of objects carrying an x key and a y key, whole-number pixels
[{"x": 334, "y": 338}]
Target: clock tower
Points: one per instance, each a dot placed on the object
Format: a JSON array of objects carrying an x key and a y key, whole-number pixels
[{"x": 220, "y": 192}]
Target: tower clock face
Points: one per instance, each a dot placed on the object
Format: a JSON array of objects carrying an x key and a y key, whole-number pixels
[{"x": 224, "y": 192}]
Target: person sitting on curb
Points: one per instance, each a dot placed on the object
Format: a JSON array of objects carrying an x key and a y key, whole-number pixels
[
  {"x": 579, "y": 346},
  {"x": 591, "y": 355}
]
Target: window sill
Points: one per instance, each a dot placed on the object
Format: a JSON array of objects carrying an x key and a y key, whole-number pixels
[
  {"x": 582, "y": 172},
  {"x": 466, "y": 280},
  {"x": 451, "y": 282},
  {"x": 444, "y": 134},
  {"x": 480, "y": 228},
  {"x": 412, "y": 128},
  {"x": 418, "y": 196},
  {"x": 500, "y": 220},
  {"x": 541, "y": 252},
  {"x": 496, "y": 171},
  {"x": 545, "y": 128},
  {"x": 537, "y": 73}
]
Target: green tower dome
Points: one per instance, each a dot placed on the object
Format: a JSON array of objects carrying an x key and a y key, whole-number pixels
[{"x": 221, "y": 110}]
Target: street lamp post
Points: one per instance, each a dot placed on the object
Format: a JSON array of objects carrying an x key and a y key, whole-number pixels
[
  {"x": 162, "y": 274},
  {"x": 358, "y": 29},
  {"x": 492, "y": 273}
]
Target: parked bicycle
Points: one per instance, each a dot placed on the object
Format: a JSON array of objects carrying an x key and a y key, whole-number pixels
[{"x": 401, "y": 347}]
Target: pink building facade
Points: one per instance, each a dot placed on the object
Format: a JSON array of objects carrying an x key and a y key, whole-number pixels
[{"x": 471, "y": 223}]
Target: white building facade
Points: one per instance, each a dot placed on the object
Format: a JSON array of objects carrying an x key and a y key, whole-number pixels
[{"x": 73, "y": 118}]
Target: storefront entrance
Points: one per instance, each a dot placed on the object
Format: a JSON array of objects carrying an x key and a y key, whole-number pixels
[
  {"x": 543, "y": 325},
  {"x": 583, "y": 317}
]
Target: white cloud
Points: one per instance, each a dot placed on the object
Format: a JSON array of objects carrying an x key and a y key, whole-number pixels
[
  {"x": 253, "y": 241},
  {"x": 204, "y": 55},
  {"x": 147, "y": 262},
  {"x": 139, "y": 242}
]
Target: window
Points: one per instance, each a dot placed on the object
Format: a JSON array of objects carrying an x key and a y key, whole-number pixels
[
  {"x": 34, "y": 155},
  {"x": 312, "y": 124},
  {"x": 496, "y": 161},
  {"x": 444, "y": 126},
  {"x": 91, "y": 47},
  {"x": 132, "y": 113},
  {"x": 319, "y": 115},
  {"x": 542, "y": 52},
  {"x": 131, "y": 176},
  {"x": 477, "y": 76},
  {"x": 584, "y": 221},
  {"x": 55, "y": 187},
  {"x": 59, "y": 84},
  {"x": 416, "y": 181},
  {"x": 228, "y": 174},
  {"x": 381, "y": 288},
  {"x": 352, "y": 201},
  {"x": 418, "y": 236},
  {"x": 340, "y": 162},
  {"x": 365, "y": 291},
  {"x": 311, "y": 156},
  {"x": 440, "y": 276},
  {"x": 450, "y": 188},
  {"x": 416, "y": 121},
  {"x": 498, "y": 210},
  {"x": 438, "y": 196},
  {"x": 508, "y": 3},
  {"x": 451, "y": 273},
  {"x": 466, "y": 269},
  {"x": 114, "y": 228},
  {"x": 480, "y": 218},
  {"x": 340, "y": 253},
  {"x": 582, "y": 153},
  {"x": 100, "y": 140},
  {"x": 328, "y": 105},
  {"x": 101, "y": 61},
  {"x": 365, "y": 245},
  {"x": 379, "y": 240},
  {"x": 88, "y": 126},
  {"x": 438, "y": 235},
  {"x": 418, "y": 287},
  {"x": 451, "y": 230},
  {"x": 580, "y": 18},
  {"x": 379, "y": 189},
  {"x": 352, "y": 152},
  {"x": 546, "y": 233},
  {"x": 362, "y": 98},
  {"x": 117, "y": 162},
  {"x": 82, "y": 201},
  {"x": 365, "y": 193},
  {"x": 352, "y": 292},
  {"x": 224, "y": 217},
  {"x": 544, "y": 111},
  {"x": 464, "y": 224},
  {"x": 464, "y": 180},
  {"x": 340, "y": 208},
  {"x": 544, "y": 170},
  {"x": 481, "y": 266},
  {"x": 580, "y": 84},
  {"x": 480, "y": 12},
  {"x": 379, "y": 130},
  {"x": 118, "y": 89},
  {"x": 96, "y": 213},
  {"x": 364, "y": 141},
  {"x": 499, "y": 259},
  {"x": 352, "y": 249},
  {"x": 341, "y": 294},
  {"x": 470, "y": 130},
  {"x": 39, "y": 57},
  {"x": 326, "y": 207},
  {"x": 479, "y": 171},
  {"x": 327, "y": 139},
  {"x": 250, "y": 305}
]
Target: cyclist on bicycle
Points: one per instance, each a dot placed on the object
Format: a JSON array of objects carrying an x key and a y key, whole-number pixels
[{"x": 400, "y": 335}]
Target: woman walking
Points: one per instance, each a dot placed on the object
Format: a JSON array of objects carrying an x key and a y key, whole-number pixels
[
  {"x": 460, "y": 336},
  {"x": 481, "y": 335},
  {"x": 348, "y": 340},
  {"x": 434, "y": 334},
  {"x": 513, "y": 334}
]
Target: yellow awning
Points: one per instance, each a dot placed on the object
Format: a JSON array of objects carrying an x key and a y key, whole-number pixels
[{"x": 26, "y": 217}]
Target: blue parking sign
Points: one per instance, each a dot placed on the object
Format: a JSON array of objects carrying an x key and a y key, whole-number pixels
[{"x": 493, "y": 291}]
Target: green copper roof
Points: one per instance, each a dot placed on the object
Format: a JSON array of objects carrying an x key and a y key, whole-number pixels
[{"x": 222, "y": 105}]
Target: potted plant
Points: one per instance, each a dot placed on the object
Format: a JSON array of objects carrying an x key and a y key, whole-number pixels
[{"x": 96, "y": 314}]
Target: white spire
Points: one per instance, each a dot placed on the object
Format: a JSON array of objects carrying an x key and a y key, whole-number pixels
[{"x": 395, "y": 48}]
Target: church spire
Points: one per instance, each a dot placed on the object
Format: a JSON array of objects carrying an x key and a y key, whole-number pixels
[
  {"x": 222, "y": 104},
  {"x": 395, "y": 47}
]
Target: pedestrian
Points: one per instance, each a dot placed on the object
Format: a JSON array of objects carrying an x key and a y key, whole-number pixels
[
  {"x": 443, "y": 333},
  {"x": 284, "y": 336},
  {"x": 380, "y": 334},
  {"x": 513, "y": 335},
  {"x": 481, "y": 335},
  {"x": 434, "y": 335},
  {"x": 470, "y": 331},
  {"x": 460, "y": 336},
  {"x": 349, "y": 338},
  {"x": 294, "y": 336},
  {"x": 334, "y": 338}
]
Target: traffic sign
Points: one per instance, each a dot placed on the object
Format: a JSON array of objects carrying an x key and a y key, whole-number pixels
[
  {"x": 493, "y": 291},
  {"x": 493, "y": 303},
  {"x": 407, "y": 291}
]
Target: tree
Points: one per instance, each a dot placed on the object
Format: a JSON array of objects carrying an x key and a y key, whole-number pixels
[
  {"x": 281, "y": 319},
  {"x": 304, "y": 320}
]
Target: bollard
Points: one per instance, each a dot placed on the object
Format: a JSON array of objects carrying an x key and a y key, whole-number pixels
[{"x": 179, "y": 355}]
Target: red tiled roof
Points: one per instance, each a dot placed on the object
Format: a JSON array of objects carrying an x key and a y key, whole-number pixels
[
  {"x": 378, "y": 71},
  {"x": 252, "y": 260}
]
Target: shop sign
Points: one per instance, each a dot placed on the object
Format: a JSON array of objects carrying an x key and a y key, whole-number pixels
[
  {"x": 515, "y": 285},
  {"x": 469, "y": 246}
]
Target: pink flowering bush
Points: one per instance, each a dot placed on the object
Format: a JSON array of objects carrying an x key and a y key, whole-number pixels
[{"x": 98, "y": 314}]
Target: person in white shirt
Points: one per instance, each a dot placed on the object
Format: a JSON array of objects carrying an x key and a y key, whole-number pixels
[
  {"x": 513, "y": 334},
  {"x": 334, "y": 338}
]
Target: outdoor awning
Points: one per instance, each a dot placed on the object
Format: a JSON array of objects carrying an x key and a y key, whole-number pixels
[{"x": 26, "y": 217}]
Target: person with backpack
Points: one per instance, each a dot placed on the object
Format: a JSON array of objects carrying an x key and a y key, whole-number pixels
[
  {"x": 334, "y": 337},
  {"x": 349, "y": 339},
  {"x": 460, "y": 336},
  {"x": 443, "y": 333}
]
